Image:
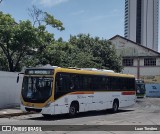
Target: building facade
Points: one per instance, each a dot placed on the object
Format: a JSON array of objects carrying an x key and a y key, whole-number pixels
[
  {"x": 138, "y": 60},
  {"x": 141, "y": 22}
]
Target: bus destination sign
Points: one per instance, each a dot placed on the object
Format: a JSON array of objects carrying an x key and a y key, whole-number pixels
[{"x": 39, "y": 72}]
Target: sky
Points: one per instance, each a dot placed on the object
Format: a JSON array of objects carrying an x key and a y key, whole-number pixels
[{"x": 102, "y": 18}]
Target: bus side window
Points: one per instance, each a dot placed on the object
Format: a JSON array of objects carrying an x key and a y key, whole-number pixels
[
  {"x": 72, "y": 82},
  {"x": 77, "y": 82},
  {"x": 109, "y": 83},
  {"x": 63, "y": 82},
  {"x": 94, "y": 83},
  {"x": 124, "y": 84},
  {"x": 104, "y": 83},
  {"x": 59, "y": 81},
  {"x": 85, "y": 83},
  {"x": 113, "y": 83}
]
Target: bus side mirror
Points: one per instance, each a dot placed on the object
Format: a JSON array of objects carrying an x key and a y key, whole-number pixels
[{"x": 18, "y": 78}]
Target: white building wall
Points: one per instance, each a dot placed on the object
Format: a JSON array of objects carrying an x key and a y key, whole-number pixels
[
  {"x": 149, "y": 71},
  {"x": 144, "y": 71},
  {"x": 158, "y": 61},
  {"x": 149, "y": 22},
  {"x": 130, "y": 70},
  {"x": 9, "y": 89},
  {"x": 141, "y": 62},
  {"x": 132, "y": 20},
  {"x": 156, "y": 24},
  {"x": 127, "y": 48},
  {"x": 135, "y": 63},
  {"x": 144, "y": 22}
]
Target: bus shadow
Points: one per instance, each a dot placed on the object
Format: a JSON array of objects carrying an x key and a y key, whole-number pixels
[
  {"x": 140, "y": 100},
  {"x": 79, "y": 115}
]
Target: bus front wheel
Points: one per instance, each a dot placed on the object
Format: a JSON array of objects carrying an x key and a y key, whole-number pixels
[
  {"x": 73, "y": 110},
  {"x": 115, "y": 106}
]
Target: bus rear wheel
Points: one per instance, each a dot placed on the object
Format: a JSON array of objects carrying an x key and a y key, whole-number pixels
[{"x": 115, "y": 106}]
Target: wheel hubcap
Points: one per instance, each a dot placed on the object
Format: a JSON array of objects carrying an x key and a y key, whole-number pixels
[{"x": 72, "y": 110}]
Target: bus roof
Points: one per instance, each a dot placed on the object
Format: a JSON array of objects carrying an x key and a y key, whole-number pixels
[
  {"x": 93, "y": 72},
  {"x": 44, "y": 67}
]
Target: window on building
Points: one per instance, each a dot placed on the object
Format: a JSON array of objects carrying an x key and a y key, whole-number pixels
[
  {"x": 150, "y": 62},
  {"x": 128, "y": 62}
]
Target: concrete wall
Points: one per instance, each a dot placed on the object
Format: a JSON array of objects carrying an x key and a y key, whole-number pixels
[{"x": 9, "y": 89}]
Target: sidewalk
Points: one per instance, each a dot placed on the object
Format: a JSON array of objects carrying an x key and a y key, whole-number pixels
[{"x": 10, "y": 112}]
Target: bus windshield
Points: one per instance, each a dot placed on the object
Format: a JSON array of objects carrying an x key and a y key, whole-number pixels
[{"x": 36, "y": 89}]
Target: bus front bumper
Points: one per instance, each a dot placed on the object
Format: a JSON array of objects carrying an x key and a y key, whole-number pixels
[{"x": 44, "y": 110}]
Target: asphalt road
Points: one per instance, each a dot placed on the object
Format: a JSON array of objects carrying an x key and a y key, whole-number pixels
[{"x": 144, "y": 112}]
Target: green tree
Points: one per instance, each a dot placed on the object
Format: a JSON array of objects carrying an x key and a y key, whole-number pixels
[
  {"x": 16, "y": 40},
  {"x": 40, "y": 18},
  {"x": 82, "y": 51},
  {"x": 57, "y": 53},
  {"x": 46, "y": 43},
  {"x": 20, "y": 42},
  {"x": 102, "y": 52}
]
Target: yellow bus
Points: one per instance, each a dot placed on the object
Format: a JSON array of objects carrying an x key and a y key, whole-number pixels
[{"x": 56, "y": 90}]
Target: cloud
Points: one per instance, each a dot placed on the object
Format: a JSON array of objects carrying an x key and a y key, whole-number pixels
[
  {"x": 95, "y": 18},
  {"x": 50, "y": 3},
  {"x": 100, "y": 17},
  {"x": 78, "y": 12}
]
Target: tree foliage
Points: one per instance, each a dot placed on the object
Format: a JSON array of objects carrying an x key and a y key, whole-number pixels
[
  {"x": 30, "y": 44},
  {"x": 82, "y": 51},
  {"x": 43, "y": 18},
  {"x": 16, "y": 40},
  {"x": 101, "y": 52},
  {"x": 21, "y": 41}
]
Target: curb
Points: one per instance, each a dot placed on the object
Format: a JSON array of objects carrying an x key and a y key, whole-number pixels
[{"x": 15, "y": 114}]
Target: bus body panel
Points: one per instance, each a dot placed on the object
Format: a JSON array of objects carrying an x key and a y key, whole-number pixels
[{"x": 86, "y": 103}]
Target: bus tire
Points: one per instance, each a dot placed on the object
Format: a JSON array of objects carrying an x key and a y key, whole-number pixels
[
  {"x": 73, "y": 110},
  {"x": 115, "y": 106}
]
